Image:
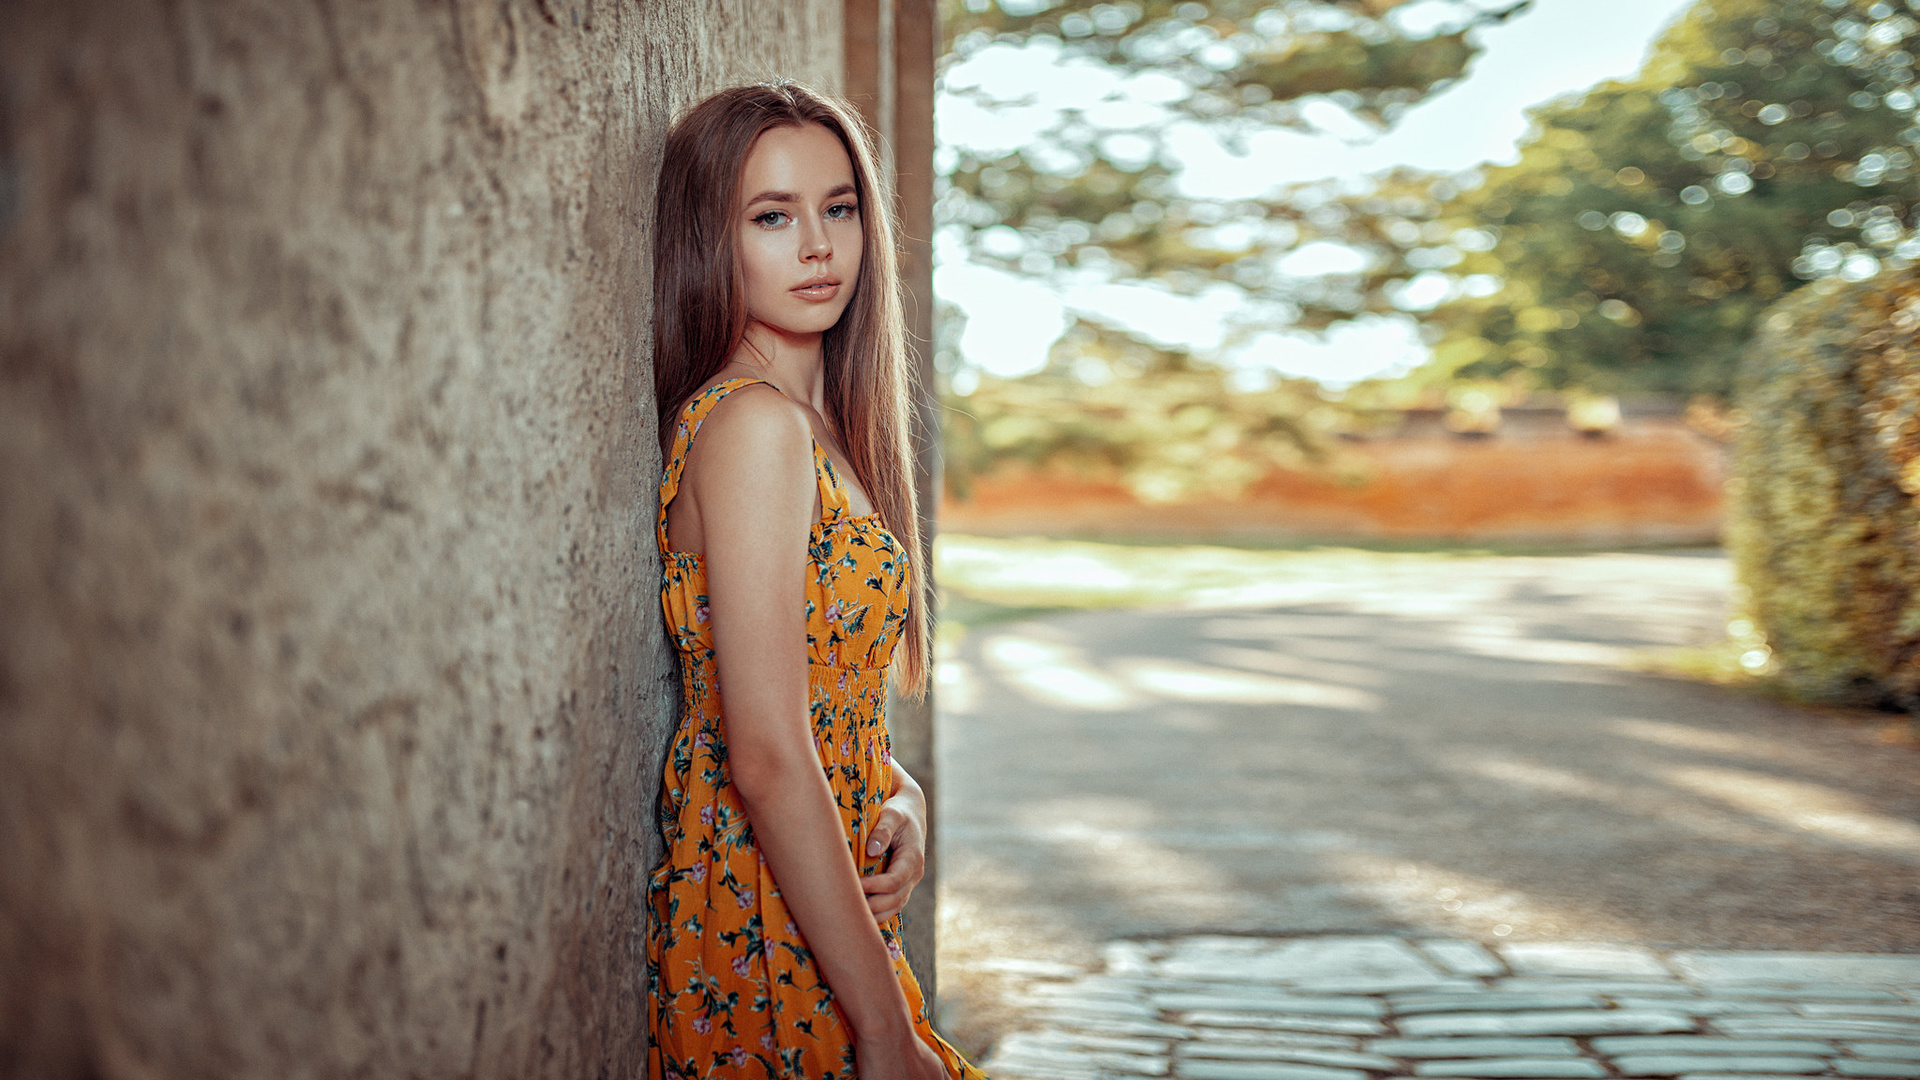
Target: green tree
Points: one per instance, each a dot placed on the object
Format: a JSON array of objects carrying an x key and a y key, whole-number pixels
[
  {"x": 1085, "y": 197},
  {"x": 1647, "y": 224},
  {"x": 1825, "y": 499},
  {"x": 1112, "y": 407}
]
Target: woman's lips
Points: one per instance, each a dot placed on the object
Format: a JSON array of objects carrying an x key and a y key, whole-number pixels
[{"x": 825, "y": 289}]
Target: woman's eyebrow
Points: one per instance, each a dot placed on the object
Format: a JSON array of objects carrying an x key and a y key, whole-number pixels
[{"x": 788, "y": 196}]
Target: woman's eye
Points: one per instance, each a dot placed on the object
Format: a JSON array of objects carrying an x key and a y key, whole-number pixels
[
  {"x": 771, "y": 219},
  {"x": 842, "y": 211}
]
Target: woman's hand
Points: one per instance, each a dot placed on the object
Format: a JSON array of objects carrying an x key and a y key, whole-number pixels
[
  {"x": 899, "y": 832},
  {"x": 897, "y": 1059}
]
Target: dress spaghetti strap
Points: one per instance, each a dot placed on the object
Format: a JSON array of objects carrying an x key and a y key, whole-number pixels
[
  {"x": 833, "y": 495},
  {"x": 691, "y": 417}
]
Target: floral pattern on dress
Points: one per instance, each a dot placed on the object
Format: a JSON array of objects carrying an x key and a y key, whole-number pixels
[{"x": 731, "y": 987}]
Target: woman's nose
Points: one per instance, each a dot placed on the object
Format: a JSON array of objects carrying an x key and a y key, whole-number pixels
[{"x": 814, "y": 243}]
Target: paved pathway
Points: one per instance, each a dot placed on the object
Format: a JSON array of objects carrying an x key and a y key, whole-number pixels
[
  {"x": 1449, "y": 766},
  {"x": 1355, "y": 1007}
]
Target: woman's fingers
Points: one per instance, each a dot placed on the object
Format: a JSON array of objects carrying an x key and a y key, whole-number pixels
[
  {"x": 885, "y": 827},
  {"x": 895, "y": 834},
  {"x": 887, "y": 894}
]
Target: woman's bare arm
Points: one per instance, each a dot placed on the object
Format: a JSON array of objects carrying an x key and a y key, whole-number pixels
[{"x": 751, "y": 473}]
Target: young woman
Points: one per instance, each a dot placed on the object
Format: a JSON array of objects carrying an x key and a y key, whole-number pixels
[{"x": 786, "y": 521}]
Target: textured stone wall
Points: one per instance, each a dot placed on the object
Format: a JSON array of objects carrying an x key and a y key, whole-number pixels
[{"x": 331, "y": 678}]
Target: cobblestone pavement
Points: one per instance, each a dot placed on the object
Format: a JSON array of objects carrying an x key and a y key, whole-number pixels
[{"x": 1359, "y": 1007}]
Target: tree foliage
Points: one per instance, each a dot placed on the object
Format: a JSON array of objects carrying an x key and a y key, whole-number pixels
[
  {"x": 1249, "y": 59},
  {"x": 1632, "y": 245},
  {"x": 1116, "y": 409},
  {"x": 1826, "y": 497},
  {"x": 1648, "y": 223},
  {"x": 1102, "y": 198},
  {"x": 1089, "y": 198}
]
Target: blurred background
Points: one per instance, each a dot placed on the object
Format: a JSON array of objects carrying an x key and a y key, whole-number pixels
[
  {"x": 1422, "y": 467},
  {"x": 1436, "y": 269}
]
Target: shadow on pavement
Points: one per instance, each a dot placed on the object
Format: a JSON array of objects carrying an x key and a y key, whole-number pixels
[{"x": 1455, "y": 750}]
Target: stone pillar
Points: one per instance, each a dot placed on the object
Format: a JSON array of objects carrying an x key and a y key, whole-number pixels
[{"x": 332, "y": 683}]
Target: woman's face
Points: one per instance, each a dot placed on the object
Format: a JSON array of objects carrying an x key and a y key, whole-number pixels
[{"x": 799, "y": 230}]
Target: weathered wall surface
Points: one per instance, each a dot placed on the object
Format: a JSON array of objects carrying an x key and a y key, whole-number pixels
[{"x": 331, "y": 681}]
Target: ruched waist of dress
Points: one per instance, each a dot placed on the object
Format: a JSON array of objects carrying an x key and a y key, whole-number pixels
[{"x": 863, "y": 683}]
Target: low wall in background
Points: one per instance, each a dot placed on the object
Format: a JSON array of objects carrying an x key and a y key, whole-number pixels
[{"x": 1651, "y": 480}]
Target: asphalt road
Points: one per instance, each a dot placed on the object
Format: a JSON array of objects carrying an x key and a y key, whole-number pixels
[{"x": 1458, "y": 748}]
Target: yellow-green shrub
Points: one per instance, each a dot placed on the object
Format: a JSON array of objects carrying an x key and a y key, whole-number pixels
[{"x": 1826, "y": 494}]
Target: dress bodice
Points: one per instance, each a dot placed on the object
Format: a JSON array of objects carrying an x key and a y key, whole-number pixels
[{"x": 856, "y": 587}]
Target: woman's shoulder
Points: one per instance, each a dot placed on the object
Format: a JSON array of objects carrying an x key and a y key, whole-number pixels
[
  {"x": 755, "y": 410},
  {"x": 755, "y": 426},
  {"x": 751, "y": 465}
]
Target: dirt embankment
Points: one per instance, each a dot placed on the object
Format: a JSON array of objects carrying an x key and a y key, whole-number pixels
[{"x": 1654, "y": 480}]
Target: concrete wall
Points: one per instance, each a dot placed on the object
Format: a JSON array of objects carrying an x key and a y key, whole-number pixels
[{"x": 331, "y": 680}]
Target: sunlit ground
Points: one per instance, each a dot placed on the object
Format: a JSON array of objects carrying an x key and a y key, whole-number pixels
[
  {"x": 1146, "y": 741},
  {"x": 1033, "y": 572},
  {"x": 992, "y": 579}
]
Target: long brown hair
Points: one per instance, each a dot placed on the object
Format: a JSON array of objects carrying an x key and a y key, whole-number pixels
[{"x": 699, "y": 308}]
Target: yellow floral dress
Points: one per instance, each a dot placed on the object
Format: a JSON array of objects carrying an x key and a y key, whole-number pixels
[{"x": 732, "y": 988}]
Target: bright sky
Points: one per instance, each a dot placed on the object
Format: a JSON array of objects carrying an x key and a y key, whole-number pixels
[{"x": 1557, "y": 47}]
